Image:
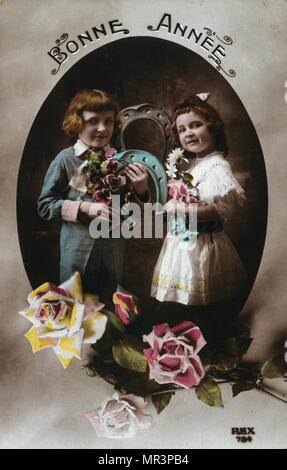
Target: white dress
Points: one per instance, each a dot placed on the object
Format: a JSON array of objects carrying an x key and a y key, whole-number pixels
[{"x": 207, "y": 268}]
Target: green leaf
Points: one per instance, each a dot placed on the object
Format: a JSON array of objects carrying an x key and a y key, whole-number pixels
[
  {"x": 160, "y": 401},
  {"x": 91, "y": 371},
  {"x": 274, "y": 368},
  {"x": 106, "y": 371},
  {"x": 128, "y": 353},
  {"x": 188, "y": 179},
  {"x": 242, "y": 387},
  {"x": 103, "y": 347},
  {"x": 209, "y": 392},
  {"x": 231, "y": 352},
  {"x": 116, "y": 322},
  {"x": 205, "y": 357}
]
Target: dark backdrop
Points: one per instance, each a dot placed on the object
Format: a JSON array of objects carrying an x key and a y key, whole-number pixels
[{"x": 138, "y": 70}]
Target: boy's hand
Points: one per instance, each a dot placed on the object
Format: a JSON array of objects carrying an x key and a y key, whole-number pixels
[
  {"x": 137, "y": 176},
  {"x": 100, "y": 211}
]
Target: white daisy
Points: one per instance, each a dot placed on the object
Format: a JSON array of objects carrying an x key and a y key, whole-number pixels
[
  {"x": 172, "y": 159},
  {"x": 171, "y": 170},
  {"x": 175, "y": 155}
]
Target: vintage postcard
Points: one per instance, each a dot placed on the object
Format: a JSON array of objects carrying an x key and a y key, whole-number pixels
[{"x": 143, "y": 225}]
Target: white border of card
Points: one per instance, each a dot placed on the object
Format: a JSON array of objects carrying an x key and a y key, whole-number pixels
[{"x": 40, "y": 42}]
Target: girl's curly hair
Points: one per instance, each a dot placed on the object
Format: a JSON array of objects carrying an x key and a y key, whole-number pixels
[{"x": 216, "y": 125}]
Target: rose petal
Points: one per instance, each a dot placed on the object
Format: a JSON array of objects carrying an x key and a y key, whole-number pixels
[
  {"x": 160, "y": 330},
  {"x": 170, "y": 363},
  {"x": 169, "y": 347},
  {"x": 149, "y": 355},
  {"x": 187, "y": 379},
  {"x": 196, "y": 362},
  {"x": 182, "y": 327},
  {"x": 138, "y": 402},
  {"x": 93, "y": 417}
]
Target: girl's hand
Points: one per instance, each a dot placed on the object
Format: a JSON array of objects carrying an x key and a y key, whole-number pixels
[
  {"x": 175, "y": 207},
  {"x": 137, "y": 176}
]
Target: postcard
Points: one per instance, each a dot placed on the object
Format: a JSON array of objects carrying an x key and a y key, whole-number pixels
[{"x": 143, "y": 226}]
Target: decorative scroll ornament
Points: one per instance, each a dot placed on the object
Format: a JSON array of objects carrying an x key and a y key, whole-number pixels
[
  {"x": 226, "y": 39},
  {"x": 230, "y": 73},
  {"x": 57, "y": 54}
]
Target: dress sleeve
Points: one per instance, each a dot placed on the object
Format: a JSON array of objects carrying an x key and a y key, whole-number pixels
[
  {"x": 52, "y": 203},
  {"x": 221, "y": 189}
]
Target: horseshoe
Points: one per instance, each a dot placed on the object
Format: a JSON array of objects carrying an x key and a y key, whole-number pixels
[{"x": 152, "y": 165}]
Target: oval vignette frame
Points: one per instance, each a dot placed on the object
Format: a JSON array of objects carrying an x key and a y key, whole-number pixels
[{"x": 170, "y": 72}]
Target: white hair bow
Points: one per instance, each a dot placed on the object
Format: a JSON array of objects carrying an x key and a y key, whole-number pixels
[{"x": 203, "y": 96}]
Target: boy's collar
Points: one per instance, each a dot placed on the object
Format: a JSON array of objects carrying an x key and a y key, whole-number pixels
[{"x": 81, "y": 148}]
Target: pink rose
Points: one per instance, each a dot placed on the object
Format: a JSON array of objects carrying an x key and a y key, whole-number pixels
[
  {"x": 173, "y": 355},
  {"x": 120, "y": 417},
  {"x": 126, "y": 306},
  {"x": 178, "y": 190},
  {"x": 110, "y": 153}
]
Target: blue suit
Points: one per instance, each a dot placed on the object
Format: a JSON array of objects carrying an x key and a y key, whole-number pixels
[{"x": 99, "y": 261}]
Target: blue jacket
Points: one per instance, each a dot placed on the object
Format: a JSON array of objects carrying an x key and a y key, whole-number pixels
[{"x": 76, "y": 243}]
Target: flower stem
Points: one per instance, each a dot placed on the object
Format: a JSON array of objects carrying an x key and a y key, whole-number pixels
[
  {"x": 167, "y": 391},
  {"x": 262, "y": 389}
]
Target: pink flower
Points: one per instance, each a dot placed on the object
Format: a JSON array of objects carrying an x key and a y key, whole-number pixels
[
  {"x": 177, "y": 190},
  {"x": 53, "y": 310},
  {"x": 120, "y": 417},
  {"x": 173, "y": 355},
  {"x": 110, "y": 153},
  {"x": 103, "y": 195},
  {"x": 126, "y": 307}
]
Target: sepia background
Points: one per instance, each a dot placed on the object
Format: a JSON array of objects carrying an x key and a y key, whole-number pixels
[{"x": 160, "y": 68}]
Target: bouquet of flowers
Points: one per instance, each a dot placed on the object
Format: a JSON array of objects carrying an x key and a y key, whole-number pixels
[
  {"x": 182, "y": 185},
  {"x": 100, "y": 177},
  {"x": 102, "y": 180}
]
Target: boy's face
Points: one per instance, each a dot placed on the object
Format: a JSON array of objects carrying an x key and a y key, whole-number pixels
[{"x": 98, "y": 128}]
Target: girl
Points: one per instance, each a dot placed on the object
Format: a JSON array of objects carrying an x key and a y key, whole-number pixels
[
  {"x": 205, "y": 270},
  {"x": 91, "y": 117}
]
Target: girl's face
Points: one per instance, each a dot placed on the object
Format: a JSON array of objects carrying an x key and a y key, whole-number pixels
[
  {"x": 98, "y": 128},
  {"x": 194, "y": 134}
]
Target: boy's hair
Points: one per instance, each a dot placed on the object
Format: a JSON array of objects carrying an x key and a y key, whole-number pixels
[
  {"x": 87, "y": 100},
  {"x": 216, "y": 125}
]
